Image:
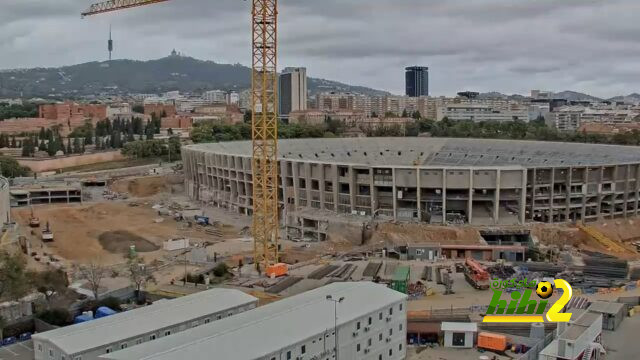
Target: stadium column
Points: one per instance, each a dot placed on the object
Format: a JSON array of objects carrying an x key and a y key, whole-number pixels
[
  {"x": 637, "y": 190},
  {"x": 295, "y": 174},
  {"x": 496, "y": 204},
  {"x": 523, "y": 197},
  {"x": 395, "y": 194},
  {"x": 321, "y": 184},
  {"x": 568, "y": 178},
  {"x": 470, "y": 201},
  {"x": 372, "y": 192},
  {"x": 307, "y": 182},
  {"x": 352, "y": 188},
  {"x": 444, "y": 196},
  {"x": 336, "y": 185}
]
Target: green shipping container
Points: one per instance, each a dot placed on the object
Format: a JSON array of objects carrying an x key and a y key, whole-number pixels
[{"x": 400, "y": 280}]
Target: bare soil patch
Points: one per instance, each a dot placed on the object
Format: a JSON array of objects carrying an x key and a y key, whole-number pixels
[
  {"x": 120, "y": 241},
  {"x": 142, "y": 186}
]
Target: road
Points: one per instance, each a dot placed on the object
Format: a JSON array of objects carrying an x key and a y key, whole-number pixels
[{"x": 19, "y": 351}]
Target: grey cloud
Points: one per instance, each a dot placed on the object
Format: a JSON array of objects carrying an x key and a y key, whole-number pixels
[{"x": 503, "y": 45}]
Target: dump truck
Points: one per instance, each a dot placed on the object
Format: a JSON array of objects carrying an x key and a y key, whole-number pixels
[{"x": 491, "y": 341}]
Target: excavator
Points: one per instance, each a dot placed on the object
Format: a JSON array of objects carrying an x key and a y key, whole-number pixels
[
  {"x": 34, "y": 222},
  {"x": 476, "y": 274}
]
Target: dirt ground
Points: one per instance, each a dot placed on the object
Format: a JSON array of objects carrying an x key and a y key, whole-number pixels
[
  {"x": 414, "y": 233},
  {"x": 143, "y": 187},
  {"x": 77, "y": 228}
]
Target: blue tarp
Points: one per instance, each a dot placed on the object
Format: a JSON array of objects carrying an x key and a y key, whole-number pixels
[
  {"x": 104, "y": 311},
  {"x": 82, "y": 318}
]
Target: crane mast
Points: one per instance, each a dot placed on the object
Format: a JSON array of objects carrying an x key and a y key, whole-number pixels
[{"x": 264, "y": 121}]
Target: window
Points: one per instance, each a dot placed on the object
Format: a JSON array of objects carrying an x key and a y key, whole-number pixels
[
  {"x": 229, "y": 314},
  {"x": 457, "y": 339},
  {"x": 78, "y": 358},
  {"x": 400, "y": 307},
  {"x": 138, "y": 341},
  {"x": 152, "y": 337},
  {"x": 380, "y": 357},
  {"x": 273, "y": 358},
  {"x": 369, "y": 342},
  {"x": 123, "y": 346},
  {"x": 358, "y": 325},
  {"x": 380, "y": 337},
  {"x": 219, "y": 316},
  {"x": 303, "y": 349},
  {"x": 39, "y": 347},
  {"x": 380, "y": 316},
  {"x": 62, "y": 357},
  {"x": 358, "y": 347},
  {"x": 390, "y": 332},
  {"x": 167, "y": 333},
  {"x": 108, "y": 351},
  {"x": 390, "y": 311},
  {"x": 288, "y": 355},
  {"x": 50, "y": 353},
  {"x": 195, "y": 323},
  {"x": 369, "y": 320},
  {"x": 400, "y": 347},
  {"x": 400, "y": 327},
  {"x": 390, "y": 352}
]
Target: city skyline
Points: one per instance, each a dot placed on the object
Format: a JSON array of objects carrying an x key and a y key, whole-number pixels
[{"x": 489, "y": 45}]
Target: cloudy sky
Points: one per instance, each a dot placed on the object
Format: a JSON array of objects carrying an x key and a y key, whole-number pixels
[{"x": 510, "y": 46}]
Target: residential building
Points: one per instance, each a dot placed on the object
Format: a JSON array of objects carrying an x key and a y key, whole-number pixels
[
  {"x": 215, "y": 96},
  {"x": 567, "y": 118},
  {"x": 335, "y": 101},
  {"x": 292, "y": 90},
  {"x": 459, "y": 335},
  {"x": 541, "y": 95},
  {"x": 479, "y": 112},
  {"x": 370, "y": 320},
  {"x": 159, "y": 109},
  {"x": 417, "y": 81},
  {"x": 233, "y": 98},
  {"x": 89, "y": 340}
]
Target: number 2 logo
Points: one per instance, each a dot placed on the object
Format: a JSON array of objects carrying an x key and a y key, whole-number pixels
[{"x": 554, "y": 314}]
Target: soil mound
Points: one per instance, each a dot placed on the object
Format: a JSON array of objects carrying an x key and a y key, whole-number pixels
[{"x": 119, "y": 242}]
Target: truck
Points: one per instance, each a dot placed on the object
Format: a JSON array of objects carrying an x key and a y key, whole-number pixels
[
  {"x": 277, "y": 270},
  {"x": 34, "y": 222},
  {"x": 476, "y": 274},
  {"x": 47, "y": 234}
]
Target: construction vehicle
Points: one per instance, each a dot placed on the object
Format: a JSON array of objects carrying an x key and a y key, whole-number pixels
[
  {"x": 47, "y": 234},
  {"x": 277, "y": 270},
  {"x": 264, "y": 121},
  {"x": 476, "y": 274},
  {"x": 33, "y": 220},
  {"x": 491, "y": 341},
  {"x": 202, "y": 220},
  {"x": 607, "y": 243}
]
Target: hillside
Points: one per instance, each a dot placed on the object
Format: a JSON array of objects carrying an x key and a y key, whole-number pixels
[{"x": 154, "y": 76}]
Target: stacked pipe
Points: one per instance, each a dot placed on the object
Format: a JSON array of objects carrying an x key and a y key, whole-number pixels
[
  {"x": 605, "y": 266},
  {"x": 541, "y": 267}
]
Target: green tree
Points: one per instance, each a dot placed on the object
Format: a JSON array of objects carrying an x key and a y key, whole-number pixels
[
  {"x": 10, "y": 168},
  {"x": 138, "y": 109},
  {"x": 405, "y": 114},
  {"x": 69, "y": 149},
  {"x": 13, "y": 280},
  {"x": 13, "y": 142},
  {"x": 247, "y": 117}
]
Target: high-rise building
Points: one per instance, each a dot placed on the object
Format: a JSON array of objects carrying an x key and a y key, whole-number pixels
[
  {"x": 417, "y": 81},
  {"x": 292, "y": 90}
]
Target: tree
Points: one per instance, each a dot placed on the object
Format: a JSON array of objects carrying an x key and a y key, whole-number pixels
[
  {"x": 9, "y": 167},
  {"x": 138, "y": 109},
  {"x": 169, "y": 131},
  {"x": 416, "y": 115},
  {"x": 42, "y": 146},
  {"x": 13, "y": 280},
  {"x": 13, "y": 142},
  {"x": 76, "y": 146},
  {"x": 247, "y": 117},
  {"x": 405, "y": 114},
  {"x": 93, "y": 274},
  {"x": 49, "y": 283},
  {"x": 139, "y": 274},
  {"x": 69, "y": 149}
]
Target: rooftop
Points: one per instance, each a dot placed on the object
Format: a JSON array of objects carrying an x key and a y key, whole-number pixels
[
  {"x": 606, "y": 307},
  {"x": 438, "y": 152},
  {"x": 459, "y": 326},
  {"x": 89, "y": 335},
  {"x": 306, "y": 315}
]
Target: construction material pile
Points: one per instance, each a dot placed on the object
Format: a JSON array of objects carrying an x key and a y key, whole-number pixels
[
  {"x": 606, "y": 266},
  {"x": 541, "y": 267},
  {"x": 417, "y": 290},
  {"x": 501, "y": 271}
]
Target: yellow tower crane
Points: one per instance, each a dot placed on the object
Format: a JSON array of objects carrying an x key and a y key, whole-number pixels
[{"x": 264, "y": 121}]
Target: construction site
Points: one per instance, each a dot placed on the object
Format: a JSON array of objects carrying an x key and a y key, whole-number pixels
[{"x": 445, "y": 268}]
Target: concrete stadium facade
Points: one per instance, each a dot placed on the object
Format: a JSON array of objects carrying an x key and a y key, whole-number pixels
[
  {"x": 5, "y": 206},
  {"x": 429, "y": 180}
]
